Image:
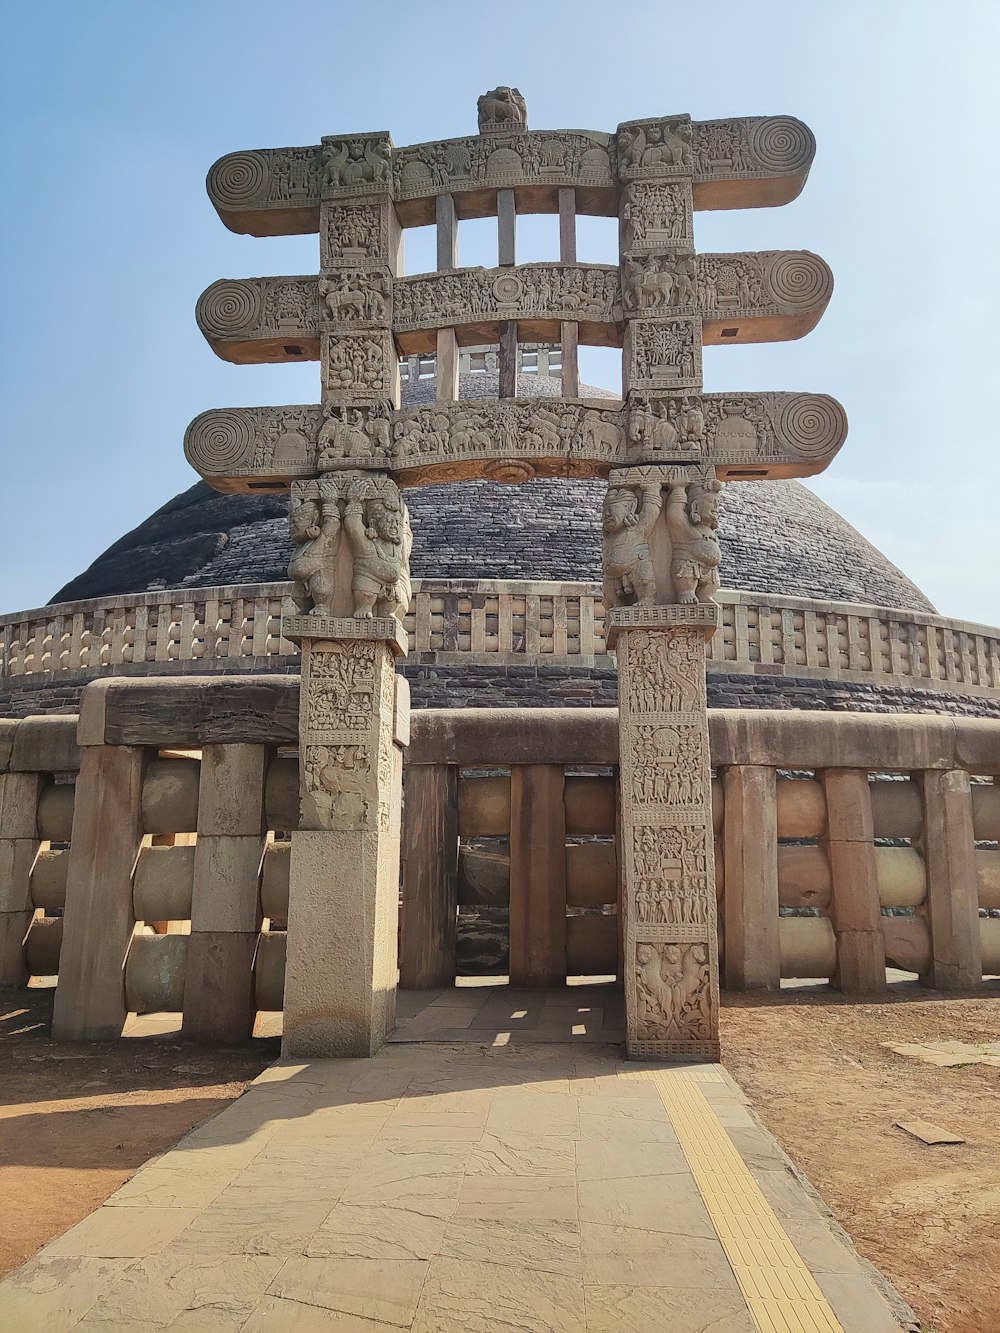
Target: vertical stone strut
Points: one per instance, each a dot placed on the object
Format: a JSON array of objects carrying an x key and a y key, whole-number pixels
[
  {"x": 661, "y": 559},
  {"x": 352, "y": 564}
]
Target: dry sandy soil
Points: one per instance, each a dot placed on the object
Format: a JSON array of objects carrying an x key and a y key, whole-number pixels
[
  {"x": 820, "y": 1079},
  {"x": 76, "y": 1120}
]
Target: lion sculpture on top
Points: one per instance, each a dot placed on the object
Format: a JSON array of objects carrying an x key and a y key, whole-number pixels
[{"x": 503, "y": 106}]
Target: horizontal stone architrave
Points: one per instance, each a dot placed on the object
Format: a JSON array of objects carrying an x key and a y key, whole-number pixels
[
  {"x": 766, "y": 296},
  {"x": 760, "y": 435},
  {"x": 263, "y": 710},
  {"x": 238, "y": 629},
  {"x": 748, "y": 162}
]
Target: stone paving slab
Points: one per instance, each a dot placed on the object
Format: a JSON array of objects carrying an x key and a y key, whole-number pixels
[{"x": 461, "y": 1189}]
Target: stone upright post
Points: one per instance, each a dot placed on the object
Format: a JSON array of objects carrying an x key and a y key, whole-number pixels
[
  {"x": 353, "y": 541},
  {"x": 660, "y": 573}
]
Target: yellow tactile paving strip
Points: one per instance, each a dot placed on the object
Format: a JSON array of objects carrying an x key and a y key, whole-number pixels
[{"x": 779, "y": 1290}]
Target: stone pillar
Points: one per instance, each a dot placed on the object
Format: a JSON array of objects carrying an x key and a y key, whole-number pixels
[
  {"x": 343, "y": 904},
  {"x": 666, "y": 859}
]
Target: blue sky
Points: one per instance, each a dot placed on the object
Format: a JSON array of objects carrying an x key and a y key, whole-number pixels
[{"x": 111, "y": 112}]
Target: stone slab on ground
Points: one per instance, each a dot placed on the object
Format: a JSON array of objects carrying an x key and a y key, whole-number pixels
[{"x": 436, "y": 1184}]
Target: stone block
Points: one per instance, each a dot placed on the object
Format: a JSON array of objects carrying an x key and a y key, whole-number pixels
[
  {"x": 48, "y": 880},
  {"x": 854, "y": 904},
  {"x": 218, "y": 989},
  {"x": 340, "y": 974},
  {"x": 55, "y": 812},
  {"x": 8, "y": 730},
  {"x": 591, "y": 874},
  {"x": 170, "y": 796},
  {"x": 163, "y": 884},
  {"x": 401, "y": 710},
  {"x": 226, "y": 894},
  {"x": 231, "y": 790},
  {"x": 154, "y": 973},
  {"x": 46, "y": 745},
  {"x": 19, "y": 793},
  {"x": 591, "y": 805},
  {"x": 989, "y": 944}
]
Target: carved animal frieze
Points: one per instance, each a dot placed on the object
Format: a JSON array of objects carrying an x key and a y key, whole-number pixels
[{"x": 356, "y": 296}]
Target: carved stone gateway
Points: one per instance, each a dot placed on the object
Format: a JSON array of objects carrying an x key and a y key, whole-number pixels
[{"x": 666, "y": 450}]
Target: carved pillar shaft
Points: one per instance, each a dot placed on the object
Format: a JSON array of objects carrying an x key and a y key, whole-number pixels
[
  {"x": 666, "y": 859},
  {"x": 340, "y": 975}
]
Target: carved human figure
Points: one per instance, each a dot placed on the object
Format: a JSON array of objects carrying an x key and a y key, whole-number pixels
[
  {"x": 692, "y": 522},
  {"x": 628, "y": 565},
  {"x": 379, "y": 545},
  {"x": 315, "y": 528}
]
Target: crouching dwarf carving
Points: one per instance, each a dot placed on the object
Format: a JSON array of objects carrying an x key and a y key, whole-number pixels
[
  {"x": 629, "y": 577},
  {"x": 379, "y": 532},
  {"x": 368, "y": 510},
  {"x": 692, "y": 521}
]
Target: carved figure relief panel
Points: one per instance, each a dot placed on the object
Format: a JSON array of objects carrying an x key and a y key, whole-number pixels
[
  {"x": 345, "y": 734},
  {"x": 359, "y": 366},
  {"x": 359, "y": 233},
  {"x": 509, "y": 158},
  {"x": 662, "y": 354},
  {"x": 727, "y": 286},
  {"x": 674, "y": 991},
  {"x": 583, "y": 292},
  {"x": 356, "y": 297},
  {"x": 353, "y": 540},
  {"x": 754, "y": 146},
  {"x": 250, "y": 308},
  {"x": 657, "y": 216}
]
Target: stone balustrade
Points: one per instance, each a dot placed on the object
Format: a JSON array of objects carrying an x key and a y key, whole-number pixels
[
  {"x": 493, "y": 622},
  {"x": 845, "y": 844}
]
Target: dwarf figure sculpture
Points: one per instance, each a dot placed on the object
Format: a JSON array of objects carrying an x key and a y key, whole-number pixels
[
  {"x": 692, "y": 522},
  {"x": 628, "y": 565},
  {"x": 316, "y": 529}
]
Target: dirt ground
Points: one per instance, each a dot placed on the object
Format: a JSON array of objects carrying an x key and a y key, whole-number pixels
[
  {"x": 819, "y": 1078},
  {"x": 76, "y": 1120}
]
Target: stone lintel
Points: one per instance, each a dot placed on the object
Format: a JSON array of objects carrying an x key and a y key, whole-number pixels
[
  {"x": 315, "y": 627},
  {"x": 703, "y": 616}
]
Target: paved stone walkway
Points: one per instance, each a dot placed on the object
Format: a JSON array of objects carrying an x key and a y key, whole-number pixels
[{"x": 463, "y": 1189}]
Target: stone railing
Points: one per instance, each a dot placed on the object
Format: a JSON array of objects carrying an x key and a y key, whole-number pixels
[
  {"x": 495, "y": 622},
  {"x": 132, "y": 872}
]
